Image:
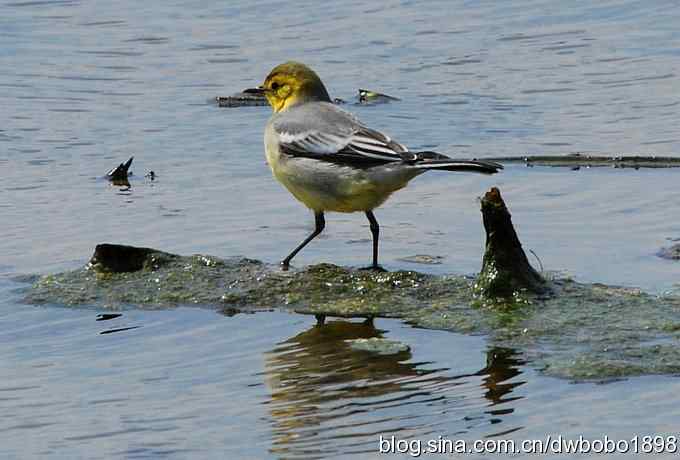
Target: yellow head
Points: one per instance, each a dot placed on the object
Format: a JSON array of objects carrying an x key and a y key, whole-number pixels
[{"x": 293, "y": 83}]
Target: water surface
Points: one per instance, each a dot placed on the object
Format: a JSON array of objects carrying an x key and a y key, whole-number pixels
[{"x": 84, "y": 85}]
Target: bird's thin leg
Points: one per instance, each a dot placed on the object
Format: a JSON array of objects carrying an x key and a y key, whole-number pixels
[
  {"x": 375, "y": 230},
  {"x": 320, "y": 223}
]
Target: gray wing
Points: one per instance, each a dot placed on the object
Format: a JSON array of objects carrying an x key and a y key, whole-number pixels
[{"x": 325, "y": 132}]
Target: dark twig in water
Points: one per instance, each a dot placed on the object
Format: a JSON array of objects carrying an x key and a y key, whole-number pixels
[
  {"x": 540, "y": 264},
  {"x": 120, "y": 329}
]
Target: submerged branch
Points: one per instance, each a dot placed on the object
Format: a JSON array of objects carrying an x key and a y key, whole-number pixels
[{"x": 578, "y": 160}]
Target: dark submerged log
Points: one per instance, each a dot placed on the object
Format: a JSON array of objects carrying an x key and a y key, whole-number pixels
[{"x": 505, "y": 267}]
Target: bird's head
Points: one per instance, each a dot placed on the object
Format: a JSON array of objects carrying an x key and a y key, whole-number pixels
[{"x": 293, "y": 83}]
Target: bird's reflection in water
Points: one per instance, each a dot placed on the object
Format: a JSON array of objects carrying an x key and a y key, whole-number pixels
[{"x": 328, "y": 399}]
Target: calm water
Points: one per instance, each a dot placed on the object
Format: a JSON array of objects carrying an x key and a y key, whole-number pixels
[{"x": 84, "y": 85}]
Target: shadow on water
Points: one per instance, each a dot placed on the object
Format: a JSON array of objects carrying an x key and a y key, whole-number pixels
[{"x": 328, "y": 398}]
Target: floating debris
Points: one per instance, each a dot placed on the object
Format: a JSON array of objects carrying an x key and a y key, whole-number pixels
[
  {"x": 371, "y": 97},
  {"x": 254, "y": 97},
  {"x": 108, "y": 316},
  {"x": 119, "y": 174}
]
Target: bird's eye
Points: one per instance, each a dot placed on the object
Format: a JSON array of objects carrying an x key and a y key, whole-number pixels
[{"x": 275, "y": 86}]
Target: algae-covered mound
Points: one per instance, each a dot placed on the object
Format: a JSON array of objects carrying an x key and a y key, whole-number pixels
[
  {"x": 581, "y": 331},
  {"x": 149, "y": 279},
  {"x": 594, "y": 331},
  {"x": 338, "y": 291}
]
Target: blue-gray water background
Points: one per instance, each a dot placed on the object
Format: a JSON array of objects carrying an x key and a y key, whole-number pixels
[{"x": 84, "y": 85}]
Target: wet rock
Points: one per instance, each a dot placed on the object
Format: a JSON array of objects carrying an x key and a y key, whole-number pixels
[
  {"x": 119, "y": 258},
  {"x": 671, "y": 252},
  {"x": 506, "y": 271}
]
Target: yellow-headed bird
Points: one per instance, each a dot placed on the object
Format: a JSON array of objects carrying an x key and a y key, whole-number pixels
[{"x": 330, "y": 161}]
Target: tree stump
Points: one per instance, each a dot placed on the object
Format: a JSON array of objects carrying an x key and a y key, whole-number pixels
[{"x": 505, "y": 267}]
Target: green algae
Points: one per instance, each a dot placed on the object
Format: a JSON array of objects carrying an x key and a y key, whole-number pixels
[
  {"x": 177, "y": 280},
  {"x": 337, "y": 291},
  {"x": 581, "y": 331}
]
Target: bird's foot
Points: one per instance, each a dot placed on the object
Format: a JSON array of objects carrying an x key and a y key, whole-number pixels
[{"x": 285, "y": 265}]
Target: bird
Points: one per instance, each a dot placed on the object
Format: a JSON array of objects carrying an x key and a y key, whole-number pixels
[{"x": 332, "y": 162}]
